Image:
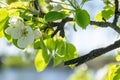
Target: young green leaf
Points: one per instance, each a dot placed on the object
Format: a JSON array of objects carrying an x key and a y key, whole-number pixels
[
  {"x": 50, "y": 44},
  {"x": 108, "y": 12},
  {"x": 54, "y": 15},
  {"x": 45, "y": 51},
  {"x": 57, "y": 60},
  {"x": 3, "y": 18},
  {"x": 42, "y": 57},
  {"x": 40, "y": 62},
  {"x": 60, "y": 52},
  {"x": 82, "y": 18},
  {"x": 118, "y": 56},
  {"x": 71, "y": 52},
  {"x": 113, "y": 72},
  {"x": 37, "y": 45}
]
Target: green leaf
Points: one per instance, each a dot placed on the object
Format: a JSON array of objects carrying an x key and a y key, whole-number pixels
[
  {"x": 107, "y": 14},
  {"x": 50, "y": 44},
  {"x": 3, "y": 18},
  {"x": 99, "y": 17},
  {"x": 37, "y": 45},
  {"x": 39, "y": 61},
  {"x": 42, "y": 57},
  {"x": 19, "y": 5},
  {"x": 113, "y": 72},
  {"x": 5, "y": 27},
  {"x": 118, "y": 57},
  {"x": 57, "y": 60},
  {"x": 60, "y": 51},
  {"x": 82, "y": 18},
  {"x": 45, "y": 51},
  {"x": 54, "y": 15},
  {"x": 71, "y": 52},
  {"x": 64, "y": 51},
  {"x": 1, "y": 34}
]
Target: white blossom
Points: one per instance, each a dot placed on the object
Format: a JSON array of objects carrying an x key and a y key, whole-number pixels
[{"x": 17, "y": 30}]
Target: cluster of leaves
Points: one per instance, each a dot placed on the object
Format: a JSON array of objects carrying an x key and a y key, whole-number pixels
[{"x": 41, "y": 15}]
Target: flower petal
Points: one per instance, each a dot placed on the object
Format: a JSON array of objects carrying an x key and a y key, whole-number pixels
[
  {"x": 25, "y": 41},
  {"x": 8, "y": 30},
  {"x": 22, "y": 42},
  {"x": 15, "y": 34},
  {"x": 16, "y": 21}
]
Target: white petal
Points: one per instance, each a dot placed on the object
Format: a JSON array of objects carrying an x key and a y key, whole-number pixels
[
  {"x": 13, "y": 19},
  {"x": 25, "y": 41},
  {"x": 29, "y": 29},
  {"x": 15, "y": 34},
  {"x": 19, "y": 24},
  {"x": 8, "y": 30},
  {"x": 16, "y": 21},
  {"x": 30, "y": 39},
  {"x": 22, "y": 42}
]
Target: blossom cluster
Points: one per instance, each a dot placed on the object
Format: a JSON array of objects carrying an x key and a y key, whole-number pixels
[{"x": 24, "y": 34}]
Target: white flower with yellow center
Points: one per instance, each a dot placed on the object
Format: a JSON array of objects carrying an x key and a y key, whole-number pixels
[{"x": 23, "y": 34}]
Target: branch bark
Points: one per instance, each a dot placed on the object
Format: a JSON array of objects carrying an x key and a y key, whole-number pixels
[{"x": 93, "y": 54}]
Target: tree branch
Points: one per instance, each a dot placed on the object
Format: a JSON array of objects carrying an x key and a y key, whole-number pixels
[
  {"x": 106, "y": 24},
  {"x": 93, "y": 54},
  {"x": 97, "y": 52},
  {"x": 116, "y": 16}
]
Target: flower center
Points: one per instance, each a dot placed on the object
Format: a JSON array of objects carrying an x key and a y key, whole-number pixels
[{"x": 24, "y": 32}]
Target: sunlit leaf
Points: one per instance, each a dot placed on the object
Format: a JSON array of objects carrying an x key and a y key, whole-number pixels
[
  {"x": 71, "y": 52},
  {"x": 82, "y": 18},
  {"x": 40, "y": 62},
  {"x": 113, "y": 72},
  {"x": 45, "y": 51},
  {"x": 60, "y": 52},
  {"x": 42, "y": 57},
  {"x": 16, "y": 5},
  {"x": 118, "y": 57},
  {"x": 50, "y": 44},
  {"x": 57, "y": 60},
  {"x": 13, "y": 12},
  {"x": 54, "y": 15},
  {"x": 99, "y": 17},
  {"x": 3, "y": 18},
  {"x": 1, "y": 34}
]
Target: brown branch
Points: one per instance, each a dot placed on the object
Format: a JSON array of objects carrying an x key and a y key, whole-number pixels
[
  {"x": 93, "y": 54},
  {"x": 106, "y": 24},
  {"x": 116, "y": 16},
  {"x": 60, "y": 26}
]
